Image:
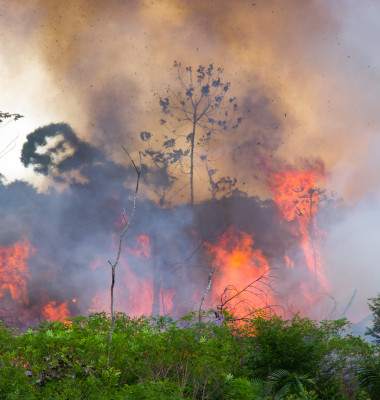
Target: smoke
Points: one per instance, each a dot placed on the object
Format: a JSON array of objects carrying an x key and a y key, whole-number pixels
[
  {"x": 303, "y": 74},
  {"x": 352, "y": 254}
]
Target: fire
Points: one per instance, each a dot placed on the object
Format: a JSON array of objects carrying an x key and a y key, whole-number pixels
[
  {"x": 167, "y": 300},
  {"x": 298, "y": 197},
  {"x": 54, "y": 312},
  {"x": 14, "y": 271},
  {"x": 142, "y": 249},
  {"x": 289, "y": 261},
  {"x": 14, "y": 276},
  {"x": 296, "y": 194},
  {"x": 132, "y": 294},
  {"x": 241, "y": 274},
  {"x": 133, "y": 290}
]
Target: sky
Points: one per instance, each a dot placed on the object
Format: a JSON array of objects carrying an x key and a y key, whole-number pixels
[{"x": 305, "y": 74}]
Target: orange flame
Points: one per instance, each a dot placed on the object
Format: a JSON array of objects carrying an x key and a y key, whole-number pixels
[
  {"x": 133, "y": 293},
  {"x": 297, "y": 197},
  {"x": 238, "y": 265},
  {"x": 54, "y": 312},
  {"x": 14, "y": 271}
]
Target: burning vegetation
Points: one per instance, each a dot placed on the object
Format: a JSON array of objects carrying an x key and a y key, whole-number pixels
[
  {"x": 164, "y": 265},
  {"x": 267, "y": 253}
]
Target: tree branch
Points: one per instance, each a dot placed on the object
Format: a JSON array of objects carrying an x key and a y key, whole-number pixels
[
  {"x": 114, "y": 264},
  {"x": 205, "y": 293}
]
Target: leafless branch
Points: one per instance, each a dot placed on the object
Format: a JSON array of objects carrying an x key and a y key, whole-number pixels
[
  {"x": 253, "y": 287},
  {"x": 205, "y": 293},
  {"x": 114, "y": 264}
]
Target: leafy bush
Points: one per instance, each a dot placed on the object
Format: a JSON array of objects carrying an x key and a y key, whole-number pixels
[
  {"x": 159, "y": 358},
  {"x": 154, "y": 390},
  {"x": 244, "y": 389}
]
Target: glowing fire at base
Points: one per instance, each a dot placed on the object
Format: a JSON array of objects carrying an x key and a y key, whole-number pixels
[
  {"x": 241, "y": 268},
  {"x": 14, "y": 277},
  {"x": 133, "y": 292},
  {"x": 54, "y": 312}
]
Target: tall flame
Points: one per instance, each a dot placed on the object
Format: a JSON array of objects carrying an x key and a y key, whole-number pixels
[
  {"x": 298, "y": 197},
  {"x": 14, "y": 272}
]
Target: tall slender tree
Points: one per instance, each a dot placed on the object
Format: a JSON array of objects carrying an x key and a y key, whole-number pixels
[{"x": 193, "y": 111}]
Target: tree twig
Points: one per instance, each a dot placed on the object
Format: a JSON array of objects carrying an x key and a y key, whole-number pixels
[
  {"x": 205, "y": 293},
  {"x": 114, "y": 264}
]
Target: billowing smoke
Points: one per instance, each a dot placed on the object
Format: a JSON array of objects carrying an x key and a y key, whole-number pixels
[{"x": 302, "y": 73}]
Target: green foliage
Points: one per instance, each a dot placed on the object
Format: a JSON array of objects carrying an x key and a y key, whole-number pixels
[
  {"x": 304, "y": 347},
  {"x": 298, "y": 345},
  {"x": 311, "y": 395},
  {"x": 369, "y": 377},
  {"x": 374, "y": 306},
  {"x": 160, "y": 358},
  {"x": 289, "y": 383},
  {"x": 13, "y": 382},
  {"x": 153, "y": 390},
  {"x": 244, "y": 389}
]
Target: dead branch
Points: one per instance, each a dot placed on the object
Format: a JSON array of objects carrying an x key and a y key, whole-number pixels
[
  {"x": 252, "y": 288},
  {"x": 124, "y": 231},
  {"x": 205, "y": 293}
]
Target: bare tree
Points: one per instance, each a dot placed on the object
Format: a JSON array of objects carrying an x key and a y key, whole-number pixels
[
  {"x": 193, "y": 110},
  {"x": 127, "y": 223},
  {"x": 198, "y": 104}
]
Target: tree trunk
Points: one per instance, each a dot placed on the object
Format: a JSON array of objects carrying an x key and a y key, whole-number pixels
[
  {"x": 192, "y": 161},
  {"x": 156, "y": 278}
]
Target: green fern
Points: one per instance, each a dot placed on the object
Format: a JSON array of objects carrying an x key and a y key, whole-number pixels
[
  {"x": 285, "y": 383},
  {"x": 369, "y": 379}
]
